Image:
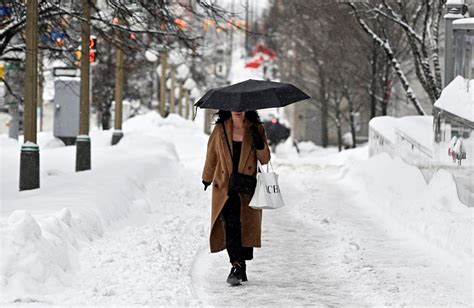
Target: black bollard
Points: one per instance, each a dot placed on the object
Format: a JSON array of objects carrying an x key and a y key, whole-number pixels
[
  {"x": 116, "y": 136},
  {"x": 83, "y": 153},
  {"x": 29, "y": 166}
]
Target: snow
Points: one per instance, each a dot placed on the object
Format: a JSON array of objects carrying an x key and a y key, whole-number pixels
[
  {"x": 133, "y": 231},
  {"x": 385, "y": 126},
  {"x": 418, "y": 128},
  {"x": 43, "y": 230},
  {"x": 455, "y": 2},
  {"x": 137, "y": 234},
  {"x": 453, "y": 16},
  {"x": 458, "y": 98},
  {"x": 326, "y": 246},
  {"x": 182, "y": 71},
  {"x": 433, "y": 210},
  {"x": 401, "y": 136},
  {"x": 464, "y": 21}
]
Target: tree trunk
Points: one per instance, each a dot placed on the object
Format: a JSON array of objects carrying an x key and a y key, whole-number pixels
[
  {"x": 338, "y": 122},
  {"x": 387, "y": 90},
  {"x": 324, "y": 110},
  {"x": 373, "y": 85},
  {"x": 352, "y": 122},
  {"x": 394, "y": 61}
]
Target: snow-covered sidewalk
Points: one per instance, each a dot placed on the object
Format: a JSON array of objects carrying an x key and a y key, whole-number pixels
[
  {"x": 326, "y": 249},
  {"x": 134, "y": 231}
]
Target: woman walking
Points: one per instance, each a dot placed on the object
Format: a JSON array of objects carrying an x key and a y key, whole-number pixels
[{"x": 235, "y": 144}]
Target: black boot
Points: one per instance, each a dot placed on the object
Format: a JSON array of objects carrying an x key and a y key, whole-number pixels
[
  {"x": 235, "y": 276},
  {"x": 244, "y": 271}
]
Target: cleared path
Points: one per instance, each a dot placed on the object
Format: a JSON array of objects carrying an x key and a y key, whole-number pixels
[{"x": 323, "y": 250}]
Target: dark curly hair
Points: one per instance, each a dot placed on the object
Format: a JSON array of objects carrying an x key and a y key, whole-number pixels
[{"x": 252, "y": 116}]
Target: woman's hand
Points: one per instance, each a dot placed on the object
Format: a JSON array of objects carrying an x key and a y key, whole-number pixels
[
  {"x": 256, "y": 138},
  {"x": 206, "y": 184}
]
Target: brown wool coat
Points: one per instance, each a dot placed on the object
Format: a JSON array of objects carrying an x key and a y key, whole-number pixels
[{"x": 217, "y": 170}]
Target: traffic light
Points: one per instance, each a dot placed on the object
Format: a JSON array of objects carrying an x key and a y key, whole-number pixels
[{"x": 92, "y": 49}]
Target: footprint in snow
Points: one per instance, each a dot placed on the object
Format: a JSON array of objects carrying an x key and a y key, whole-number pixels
[
  {"x": 354, "y": 246},
  {"x": 325, "y": 221}
]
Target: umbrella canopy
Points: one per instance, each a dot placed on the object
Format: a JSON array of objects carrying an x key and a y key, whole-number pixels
[{"x": 251, "y": 95}]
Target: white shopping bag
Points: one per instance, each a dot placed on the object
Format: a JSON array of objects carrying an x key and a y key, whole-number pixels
[{"x": 267, "y": 193}]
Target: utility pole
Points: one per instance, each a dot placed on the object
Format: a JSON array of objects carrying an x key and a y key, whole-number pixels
[
  {"x": 186, "y": 103},
  {"x": 231, "y": 39},
  {"x": 163, "y": 60},
  {"x": 246, "y": 28},
  {"x": 40, "y": 89},
  {"x": 172, "y": 97},
  {"x": 119, "y": 75},
  {"x": 29, "y": 159},
  {"x": 83, "y": 141},
  {"x": 180, "y": 99}
]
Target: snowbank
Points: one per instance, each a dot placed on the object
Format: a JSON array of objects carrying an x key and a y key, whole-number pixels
[
  {"x": 314, "y": 155},
  {"x": 42, "y": 231},
  {"x": 399, "y": 191},
  {"x": 385, "y": 126},
  {"x": 414, "y": 129},
  {"x": 417, "y": 128}
]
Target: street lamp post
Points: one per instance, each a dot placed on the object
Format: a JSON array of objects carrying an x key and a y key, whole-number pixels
[
  {"x": 172, "y": 97},
  {"x": 83, "y": 141},
  {"x": 163, "y": 60},
  {"x": 29, "y": 159},
  {"x": 119, "y": 76},
  {"x": 186, "y": 104},
  {"x": 188, "y": 86},
  {"x": 152, "y": 57},
  {"x": 182, "y": 73},
  {"x": 180, "y": 99}
]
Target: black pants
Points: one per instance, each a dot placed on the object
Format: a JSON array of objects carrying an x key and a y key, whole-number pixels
[{"x": 233, "y": 231}]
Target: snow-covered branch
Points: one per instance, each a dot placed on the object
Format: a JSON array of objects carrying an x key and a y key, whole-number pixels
[{"x": 396, "y": 65}]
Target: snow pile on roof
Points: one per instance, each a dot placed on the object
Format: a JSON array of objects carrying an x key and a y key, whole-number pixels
[
  {"x": 464, "y": 21},
  {"x": 450, "y": 2},
  {"x": 397, "y": 190},
  {"x": 458, "y": 98}
]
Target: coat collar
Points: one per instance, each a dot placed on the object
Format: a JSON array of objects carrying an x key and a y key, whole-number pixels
[{"x": 246, "y": 144}]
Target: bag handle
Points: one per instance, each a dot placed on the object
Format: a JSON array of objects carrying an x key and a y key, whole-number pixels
[{"x": 259, "y": 165}]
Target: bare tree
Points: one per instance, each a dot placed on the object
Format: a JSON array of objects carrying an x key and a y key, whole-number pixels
[
  {"x": 146, "y": 24},
  {"x": 419, "y": 22},
  {"x": 325, "y": 53}
]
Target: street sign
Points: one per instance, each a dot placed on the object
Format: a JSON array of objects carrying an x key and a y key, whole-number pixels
[
  {"x": 220, "y": 69},
  {"x": 66, "y": 72},
  {"x": 5, "y": 11}
]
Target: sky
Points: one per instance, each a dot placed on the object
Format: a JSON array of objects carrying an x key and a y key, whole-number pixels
[{"x": 239, "y": 5}]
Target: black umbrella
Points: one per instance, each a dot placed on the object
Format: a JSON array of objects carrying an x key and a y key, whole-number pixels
[{"x": 251, "y": 95}]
